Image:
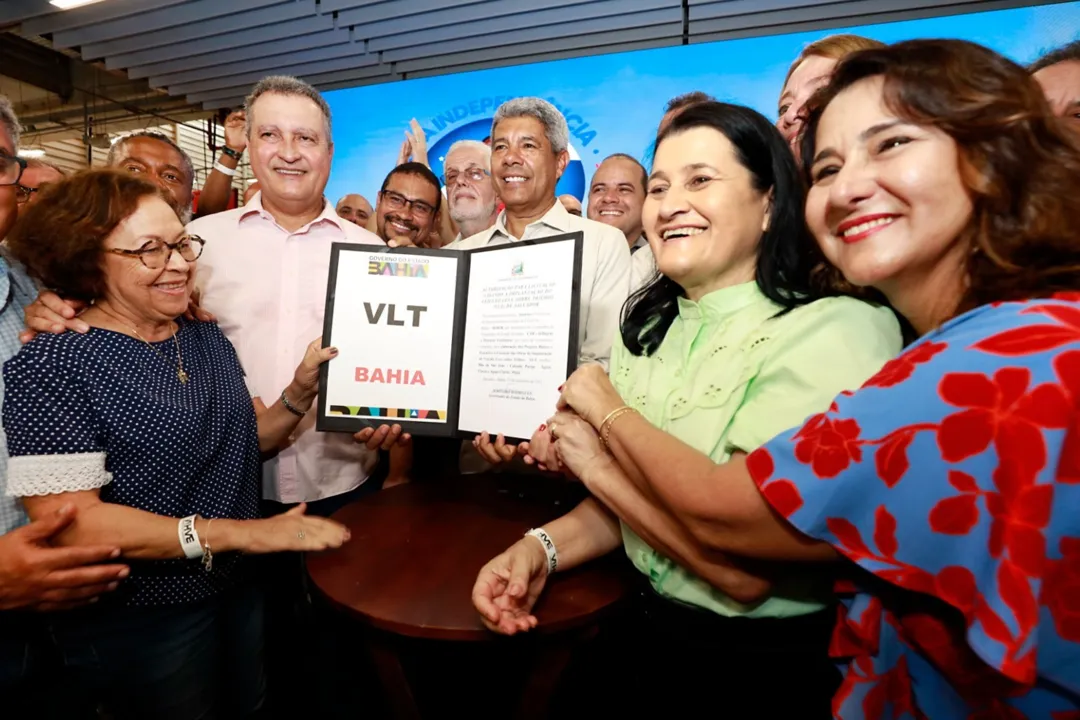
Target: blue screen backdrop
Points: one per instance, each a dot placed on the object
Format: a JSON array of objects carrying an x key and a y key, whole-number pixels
[{"x": 613, "y": 103}]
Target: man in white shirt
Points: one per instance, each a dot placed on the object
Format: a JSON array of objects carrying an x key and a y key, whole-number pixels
[{"x": 529, "y": 140}]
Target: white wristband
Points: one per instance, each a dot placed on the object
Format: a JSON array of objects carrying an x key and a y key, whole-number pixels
[
  {"x": 189, "y": 539},
  {"x": 225, "y": 170},
  {"x": 549, "y": 548}
]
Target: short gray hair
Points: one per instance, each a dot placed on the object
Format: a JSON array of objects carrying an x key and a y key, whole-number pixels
[
  {"x": 558, "y": 134},
  {"x": 287, "y": 85},
  {"x": 114, "y": 152},
  {"x": 484, "y": 148},
  {"x": 9, "y": 121}
]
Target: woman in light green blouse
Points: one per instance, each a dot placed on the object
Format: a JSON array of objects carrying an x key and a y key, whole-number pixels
[{"x": 731, "y": 344}]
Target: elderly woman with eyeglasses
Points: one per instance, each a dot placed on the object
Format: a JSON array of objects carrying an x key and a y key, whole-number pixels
[{"x": 146, "y": 425}]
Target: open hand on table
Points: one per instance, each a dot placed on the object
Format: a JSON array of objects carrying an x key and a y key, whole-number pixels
[
  {"x": 509, "y": 585},
  {"x": 295, "y": 531}
]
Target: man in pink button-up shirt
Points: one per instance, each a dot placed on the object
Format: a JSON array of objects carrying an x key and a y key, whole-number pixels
[{"x": 264, "y": 271}]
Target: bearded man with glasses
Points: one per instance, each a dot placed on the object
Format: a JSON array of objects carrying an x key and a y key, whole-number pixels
[{"x": 408, "y": 206}]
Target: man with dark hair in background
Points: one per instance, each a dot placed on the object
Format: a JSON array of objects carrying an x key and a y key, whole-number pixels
[
  {"x": 409, "y": 201},
  {"x": 1058, "y": 72},
  {"x": 680, "y": 102},
  {"x": 163, "y": 162}
]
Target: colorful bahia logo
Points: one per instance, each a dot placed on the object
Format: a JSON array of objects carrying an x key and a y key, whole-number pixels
[{"x": 475, "y": 124}]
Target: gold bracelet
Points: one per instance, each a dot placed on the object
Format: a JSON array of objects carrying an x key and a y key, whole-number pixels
[{"x": 605, "y": 427}]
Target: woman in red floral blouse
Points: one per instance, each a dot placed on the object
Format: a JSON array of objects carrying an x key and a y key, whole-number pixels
[{"x": 948, "y": 486}]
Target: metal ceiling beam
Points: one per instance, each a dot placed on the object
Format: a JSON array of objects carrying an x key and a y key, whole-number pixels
[
  {"x": 554, "y": 43},
  {"x": 338, "y": 5},
  {"x": 419, "y": 14},
  {"x": 865, "y": 11},
  {"x": 299, "y": 70},
  {"x": 548, "y": 57},
  {"x": 115, "y": 125},
  {"x": 510, "y": 43},
  {"x": 158, "y": 105},
  {"x": 58, "y": 21},
  {"x": 811, "y": 9},
  {"x": 705, "y": 31},
  {"x": 266, "y": 65},
  {"x": 145, "y": 23},
  {"x": 391, "y": 35},
  {"x": 260, "y": 13},
  {"x": 242, "y": 54},
  {"x": 35, "y": 65},
  {"x": 14, "y": 11},
  {"x": 463, "y": 14},
  {"x": 354, "y": 76},
  {"x": 220, "y": 43}
]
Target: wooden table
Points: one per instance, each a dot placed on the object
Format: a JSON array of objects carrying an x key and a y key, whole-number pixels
[{"x": 414, "y": 555}]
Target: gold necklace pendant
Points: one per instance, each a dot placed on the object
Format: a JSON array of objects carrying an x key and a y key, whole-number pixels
[{"x": 181, "y": 374}]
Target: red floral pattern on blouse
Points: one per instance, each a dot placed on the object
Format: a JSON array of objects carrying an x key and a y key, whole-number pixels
[{"x": 953, "y": 479}]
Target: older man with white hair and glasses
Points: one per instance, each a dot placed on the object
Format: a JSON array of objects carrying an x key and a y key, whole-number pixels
[
  {"x": 470, "y": 192},
  {"x": 529, "y": 141}
]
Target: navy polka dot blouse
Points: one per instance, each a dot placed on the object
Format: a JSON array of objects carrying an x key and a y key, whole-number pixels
[{"x": 103, "y": 410}]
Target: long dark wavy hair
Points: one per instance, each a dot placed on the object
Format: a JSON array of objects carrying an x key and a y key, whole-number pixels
[{"x": 787, "y": 254}]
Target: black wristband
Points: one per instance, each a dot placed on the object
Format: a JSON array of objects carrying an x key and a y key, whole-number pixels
[{"x": 234, "y": 154}]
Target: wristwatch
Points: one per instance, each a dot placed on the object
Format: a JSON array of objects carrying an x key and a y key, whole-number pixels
[{"x": 234, "y": 154}]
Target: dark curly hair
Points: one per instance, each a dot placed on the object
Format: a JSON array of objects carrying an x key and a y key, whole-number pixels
[
  {"x": 1019, "y": 163},
  {"x": 60, "y": 237},
  {"x": 1065, "y": 53}
]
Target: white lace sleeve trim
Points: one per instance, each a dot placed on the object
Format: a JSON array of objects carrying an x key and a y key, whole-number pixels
[{"x": 35, "y": 475}]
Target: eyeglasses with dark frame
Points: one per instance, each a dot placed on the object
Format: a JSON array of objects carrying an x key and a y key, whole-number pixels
[
  {"x": 11, "y": 169},
  {"x": 156, "y": 254},
  {"x": 473, "y": 174},
  {"x": 24, "y": 193},
  {"x": 397, "y": 201}
]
